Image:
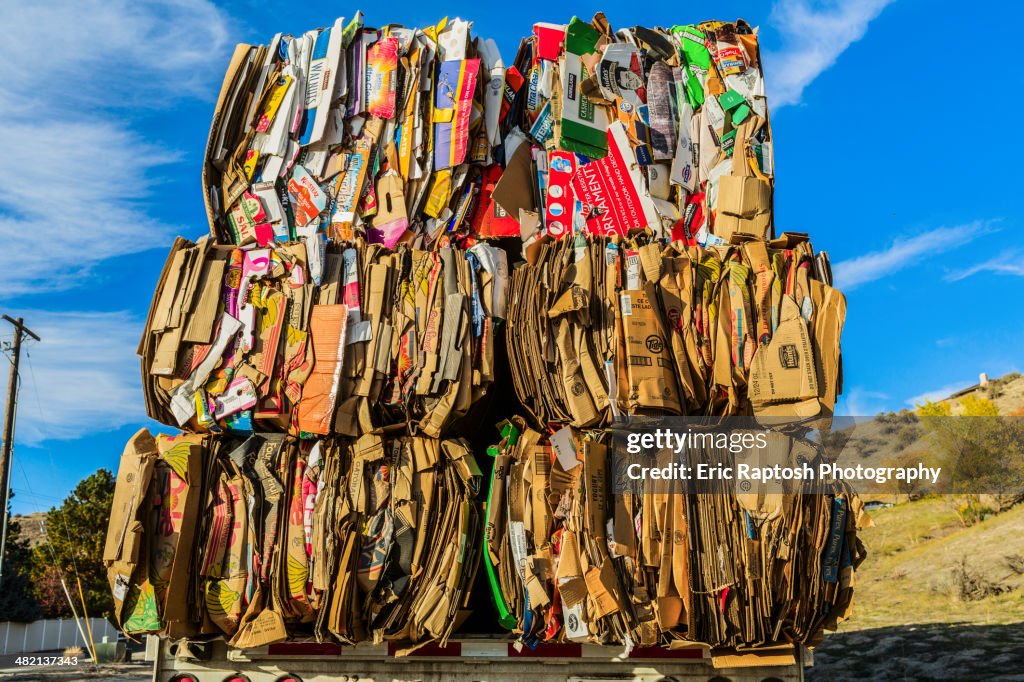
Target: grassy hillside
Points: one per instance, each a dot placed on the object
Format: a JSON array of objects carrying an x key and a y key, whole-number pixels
[{"x": 934, "y": 600}]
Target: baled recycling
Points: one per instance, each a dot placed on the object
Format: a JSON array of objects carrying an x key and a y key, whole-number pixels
[
  {"x": 409, "y": 235},
  {"x": 600, "y": 328},
  {"x": 243, "y": 338},
  {"x": 245, "y": 538},
  {"x": 572, "y": 554}
]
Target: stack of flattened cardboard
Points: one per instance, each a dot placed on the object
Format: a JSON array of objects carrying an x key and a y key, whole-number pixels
[
  {"x": 257, "y": 538},
  {"x": 571, "y": 556},
  {"x": 342, "y": 314},
  {"x": 317, "y": 346},
  {"x": 352, "y": 130},
  {"x": 654, "y": 285},
  {"x": 603, "y": 327},
  {"x": 408, "y": 135},
  {"x": 239, "y": 339},
  {"x": 615, "y": 131}
]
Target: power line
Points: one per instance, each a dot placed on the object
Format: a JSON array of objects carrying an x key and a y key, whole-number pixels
[
  {"x": 59, "y": 510},
  {"x": 38, "y": 496},
  {"x": 39, "y": 407}
]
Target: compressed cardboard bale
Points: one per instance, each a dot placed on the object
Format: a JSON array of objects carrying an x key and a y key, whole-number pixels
[
  {"x": 351, "y": 130},
  {"x": 574, "y": 552},
  {"x": 261, "y": 538},
  {"x": 634, "y": 327},
  {"x": 388, "y": 336}
]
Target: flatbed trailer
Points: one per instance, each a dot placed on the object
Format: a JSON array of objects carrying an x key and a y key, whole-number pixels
[{"x": 467, "y": 660}]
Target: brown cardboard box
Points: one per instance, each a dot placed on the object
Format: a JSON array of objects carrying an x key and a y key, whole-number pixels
[
  {"x": 784, "y": 370},
  {"x": 744, "y": 204},
  {"x": 744, "y": 207}
]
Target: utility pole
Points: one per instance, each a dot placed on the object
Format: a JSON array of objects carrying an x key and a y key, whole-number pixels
[{"x": 20, "y": 331}]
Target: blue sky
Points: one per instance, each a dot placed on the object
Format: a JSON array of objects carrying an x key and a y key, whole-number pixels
[{"x": 887, "y": 151}]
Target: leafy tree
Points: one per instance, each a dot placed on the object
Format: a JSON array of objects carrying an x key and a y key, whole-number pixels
[
  {"x": 53, "y": 602},
  {"x": 76, "y": 532},
  {"x": 908, "y": 459},
  {"x": 979, "y": 452},
  {"x": 17, "y": 601}
]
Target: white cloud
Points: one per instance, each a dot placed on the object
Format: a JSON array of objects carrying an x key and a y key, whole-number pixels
[
  {"x": 1006, "y": 263},
  {"x": 903, "y": 253},
  {"x": 58, "y": 226},
  {"x": 813, "y": 36},
  {"x": 862, "y": 402},
  {"x": 110, "y": 53},
  {"x": 937, "y": 394},
  {"x": 76, "y": 181},
  {"x": 82, "y": 377}
]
